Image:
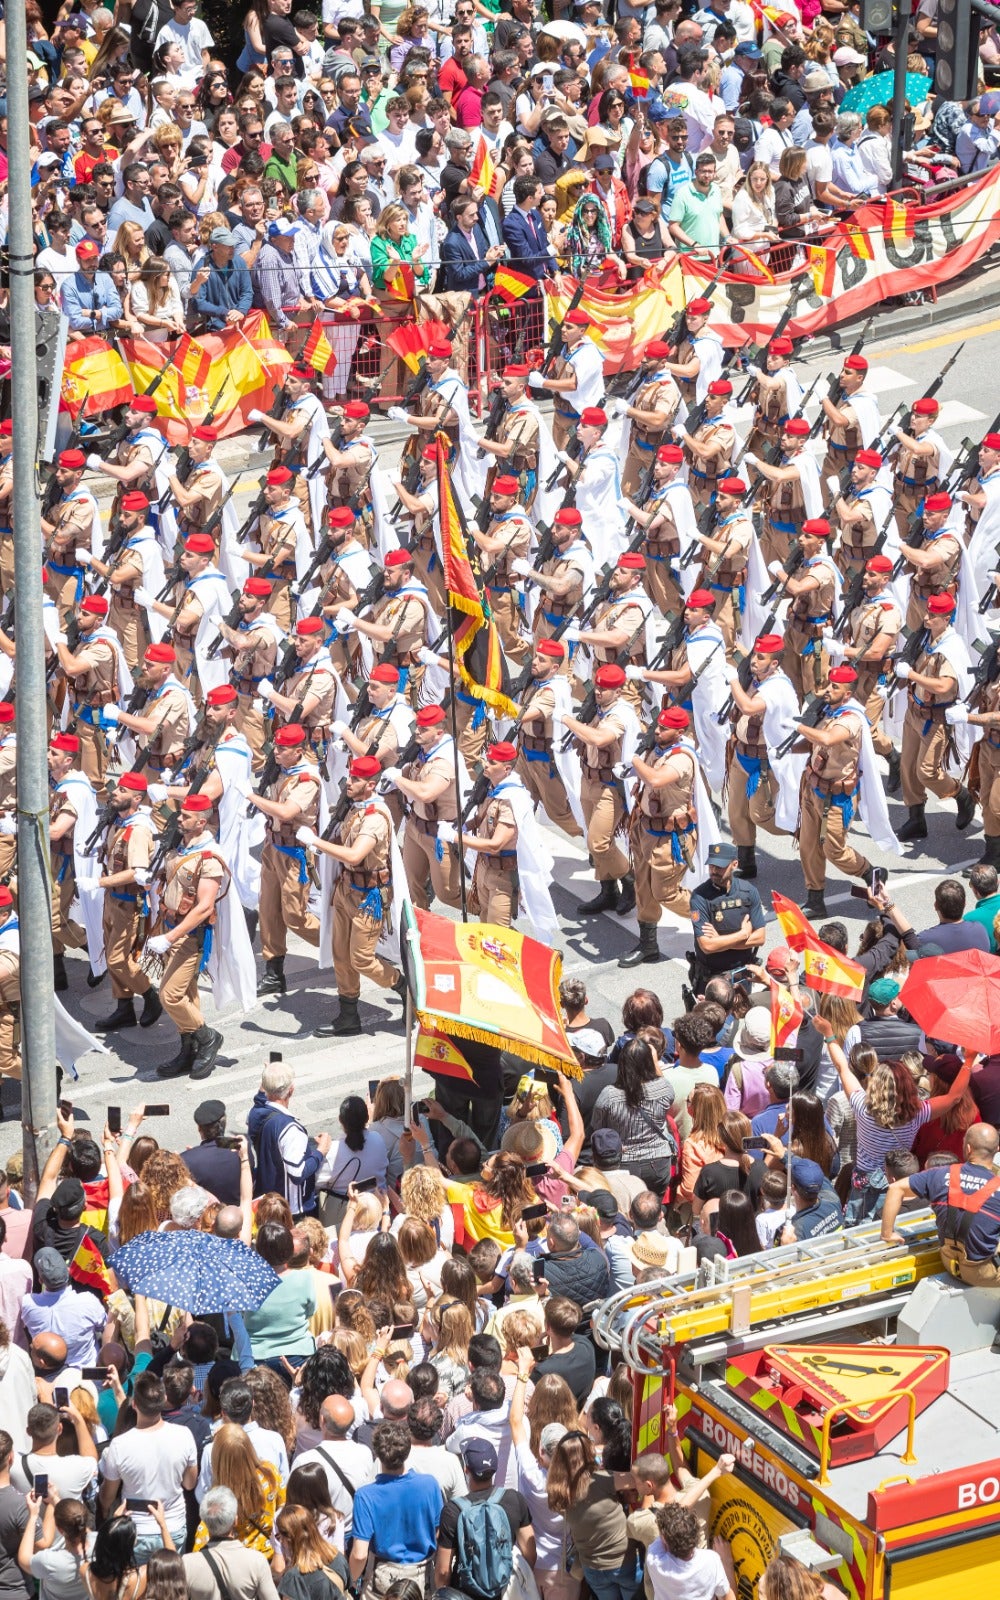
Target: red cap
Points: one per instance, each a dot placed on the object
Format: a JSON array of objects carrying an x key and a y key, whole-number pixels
[
  {"x": 135, "y": 500},
  {"x": 699, "y": 600},
  {"x": 577, "y": 318},
  {"x": 293, "y": 733},
  {"x": 384, "y": 673},
  {"x": 224, "y": 695},
  {"x": 609, "y": 676},
  {"x": 160, "y": 652},
  {"x": 95, "y": 605},
  {"x": 941, "y": 605},
  {"x": 568, "y": 517},
  {"x": 593, "y": 417},
  {"x": 856, "y": 364},
  {"x": 73, "y": 460},
  {"x": 340, "y": 517},
  {"x": 798, "y": 427},
  {"x": 440, "y": 350},
  {"x": 631, "y": 561},
  {"x": 673, "y": 717},
  {"x": 551, "y": 647},
  {"x": 196, "y": 803},
  {"x": 699, "y": 307},
  {"x": 991, "y": 441},
  {"x": 938, "y": 502},
  {"x": 7, "y": 428},
  {"x": 878, "y": 564},
  {"x": 365, "y": 767},
  {"x": 869, "y": 458},
  {"x": 206, "y": 433},
  {"x": 429, "y": 452},
  {"x": 503, "y": 750},
  {"x": 516, "y": 369},
  {"x": 769, "y": 644},
  {"x": 143, "y": 403},
  {"x": 506, "y": 485},
  {"x": 87, "y": 247},
  {"x": 430, "y": 716},
  {"x": 844, "y": 674},
  {"x": 780, "y": 347},
  {"x": 200, "y": 544},
  {"x": 136, "y": 781},
  {"x": 398, "y": 558},
  {"x": 720, "y": 386},
  {"x": 279, "y": 476},
  {"x": 6, "y": 711},
  {"x": 816, "y": 528},
  {"x": 925, "y": 407},
  {"x": 656, "y": 350},
  {"x": 670, "y": 453},
  {"x": 357, "y": 410},
  {"x": 68, "y": 743},
  {"x": 734, "y": 486},
  {"x": 308, "y": 626},
  {"x": 6, "y": 898},
  {"x": 259, "y": 587}
]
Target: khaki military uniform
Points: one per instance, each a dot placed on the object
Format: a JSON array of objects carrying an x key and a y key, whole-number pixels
[
  {"x": 602, "y": 796},
  {"x": 10, "y": 1014},
  {"x": 659, "y": 394},
  {"x": 783, "y": 518},
  {"x": 253, "y": 661},
  {"x": 941, "y": 579},
  {"x": 988, "y": 756},
  {"x": 927, "y": 738},
  {"x": 66, "y": 582},
  {"x": 423, "y": 855},
  {"x": 625, "y": 615},
  {"x": 829, "y": 798},
  {"x": 661, "y": 549},
  {"x": 183, "y": 639},
  {"x": 407, "y": 618},
  {"x": 514, "y": 529},
  {"x": 730, "y": 577},
  {"x": 66, "y": 934},
  {"x": 550, "y": 612},
  {"x": 867, "y": 621},
  {"x": 427, "y": 563},
  {"x": 664, "y": 839},
  {"x": 752, "y": 792},
  {"x": 350, "y": 485},
  {"x": 275, "y": 537},
  {"x": 206, "y": 482},
  {"x": 337, "y": 590},
  {"x": 168, "y": 707},
  {"x": 493, "y": 895},
  {"x": 129, "y": 846},
  {"x": 704, "y": 475},
  {"x": 312, "y": 679},
  {"x": 771, "y": 412},
  {"x": 805, "y": 660},
  {"x": 842, "y": 444},
  {"x": 125, "y": 617},
  {"x": 91, "y": 691},
  {"x": 284, "y": 877},
  {"x": 518, "y": 427},
  {"x": 857, "y": 540},
  {"x": 913, "y": 478},
  {"x": 362, "y": 900},
  {"x": 535, "y": 764},
  {"x": 184, "y": 870}
]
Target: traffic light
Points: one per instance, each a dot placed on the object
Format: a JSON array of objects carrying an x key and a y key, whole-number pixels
[
  {"x": 957, "y": 73},
  {"x": 877, "y": 16},
  {"x": 50, "y": 349}
]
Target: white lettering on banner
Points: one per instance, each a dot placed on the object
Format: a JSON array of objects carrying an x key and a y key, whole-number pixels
[
  {"x": 767, "y": 1472},
  {"x": 978, "y": 1494}
]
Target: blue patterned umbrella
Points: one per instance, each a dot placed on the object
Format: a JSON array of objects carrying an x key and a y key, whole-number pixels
[
  {"x": 877, "y": 91},
  {"x": 195, "y": 1272}
]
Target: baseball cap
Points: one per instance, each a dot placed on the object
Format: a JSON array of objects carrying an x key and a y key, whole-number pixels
[
  {"x": 808, "y": 1177},
  {"x": 52, "y": 1269},
  {"x": 753, "y": 1037},
  {"x": 280, "y": 228},
  {"x": 605, "y": 1146},
  {"x": 751, "y": 51},
  {"x": 846, "y": 57},
  {"x": 883, "y": 991},
  {"x": 602, "y": 1201},
  {"x": 222, "y": 236},
  {"x": 815, "y": 83},
  {"x": 479, "y": 1457},
  {"x": 68, "y": 1196},
  {"x": 588, "y": 1042}
]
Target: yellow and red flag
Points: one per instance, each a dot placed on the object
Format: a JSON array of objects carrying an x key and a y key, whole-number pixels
[
  {"x": 475, "y": 639},
  {"x": 640, "y": 84},
  {"x": 318, "y": 351},
  {"x": 898, "y": 222},
  {"x": 823, "y": 968},
  {"x": 858, "y": 242},
  {"x": 483, "y": 172},
  {"x": 435, "y": 1052},
  {"x": 410, "y": 341},
  {"x": 94, "y": 372},
  {"x": 512, "y": 286},
  {"x": 88, "y": 1267},
  {"x": 823, "y": 268},
  {"x": 786, "y": 1017},
  {"x": 192, "y": 361},
  {"x": 794, "y": 924},
  {"x": 400, "y": 281}
]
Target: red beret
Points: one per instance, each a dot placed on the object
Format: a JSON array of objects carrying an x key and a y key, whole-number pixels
[
  {"x": 610, "y": 676},
  {"x": 502, "y": 751},
  {"x": 6, "y": 898},
  {"x": 365, "y": 767},
  {"x": 670, "y": 453},
  {"x": 144, "y": 403},
  {"x": 769, "y": 644},
  {"x": 299, "y": 370},
  {"x": 308, "y": 626},
  {"x": 95, "y": 605},
  {"x": 938, "y": 502},
  {"x": 506, "y": 485},
  {"x": 734, "y": 486},
  {"x": 68, "y": 743},
  {"x": 384, "y": 673},
  {"x": 206, "y": 433},
  {"x": 941, "y": 605},
  {"x": 136, "y": 781},
  {"x": 293, "y": 733},
  {"x": 440, "y": 350},
  {"x": 780, "y": 347},
  {"x": 357, "y": 410},
  {"x": 200, "y": 544},
  {"x": 856, "y": 364},
  {"x": 991, "y": 441},
  {"x": 700, "y": 600},
  {"x": 631, "y": 561},
  {"x": 73, "y": 460},
  {"x": 656, "y": 350},
  {"x": 279, "y": 476},
  {"x": 340, "y": 517},
  {"x": 699, "y": 307},
  {"x": 429, "y": 452},
  {"x": 258, "y": 587},
  {"x": 798, "y": 427},
  {"x": 925, "y": 407},
  {"x": 516, "y": 369},
  {"x": 878, "y": 564},
  {"x": 844, "y": 674},
  {"x": 430, "y": 716},
  {"x": 816, "y": 528},
  {"x": 568, "y": 517},
  {"x": 551, "y": 647},
  {"x": 135, "y": 500},
  {"x": 6, "y": 711},
  {"x": 196, "y": 803},
  {"x": 593, "y": 417},
  {"x": 7, "y": 428},
  {"x": 160, "y": 652},
  {"x": 673, "y": 717},
  {"x": 224, "y": 695},
  {"x": 577, "y": 318},
  {"x": 720, "y": 386},
  {"x": 869, "y": 458},
  {"x": 398, "y": 558}
]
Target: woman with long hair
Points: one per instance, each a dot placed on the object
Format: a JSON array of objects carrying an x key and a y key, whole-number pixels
[
  {"x": 137, "y": 1214},
  {"x": 382, "y": 1275},
  {"x": 56, "y": 1558},
  {"x": 314, "y": 1570},
  {"x": 948, "y": 1132},
  {"x": 358, "y": 1155},
  {"x": 754, "y": 219},
  {"x": 392, "y": 243},
  {"x": 325, "y": 1373},
  {"x": 706, "y": 1108},
  {"x": 533, "y": 1461},
  {"x": 272, "y": 1406},
  {"x": 492, "y": 1206},
  {"x": 645, "y": 239},
  {"x": 255, "y": 1483},
  {"x": 589, "y": 247},
  {"x": 730, "y": 1171},
  {"x": 637, "y": 1106},
  {"x": 211, "y": 95},
  {"x": 156, "y": 304},
  {"x": 163, "y": 1174},
  {"x": 844, "y": 1017},
  {"x": 460, "y": 1282},
  {"x": 584, "y": 1493},
  {"x": 165, "y": 1579},
  {"x": 735, "y": 1225},
  {"x": 784, "y": 1578},
  {"x": 362, "y": 1220},
  {"x": 422, "y": 1258},
  {"x": 308, "y": 1489},
  {"x": 551, "y": 1401},
  {"x": 130, "y": 244},
  {"x": 112, "y": 1572},
  {"x": 425, "y": 1198},
  {"x": 447, "y": 1330}
]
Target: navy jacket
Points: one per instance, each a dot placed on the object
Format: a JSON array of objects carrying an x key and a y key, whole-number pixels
[
  {"x": 525, "y": 237},
  {"x": 464, "y": 264}
]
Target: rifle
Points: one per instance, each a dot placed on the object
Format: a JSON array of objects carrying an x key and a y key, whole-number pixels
[
  {"x": 556, "y": 336},
  {"x": 477, "y": 794},
  {"x": 744, "y": 676},
  {"x": 642, "y": 493},
  {"x": 231, "y": 621},
  {"x": 880, "y": 443},
  {"x": 915, "y": 536},
  {"x": 322, "y": 553},
  {"x": 835, "y": 393},
  {"x": 677, "y": 332},
  {"x": 109, "y": 812},
  {"x": 171, "y": 577},
  {"x": 759, "y": 358},
  {"x": 182, "y": 468},
  {"x": 811, "y": 717},
  {"x": 198, "y": 779},
  {"x": 268, "y": 774},
  {"x": 985, "y": 671},
  {"x": 776, "y": 590},
  {"x": 936, "y": 383},
  {"x": 216, "y": 517},
  {"x": 914, "y": 644},
  {"x": 854, "y": 594},
  {"x": 372, "y": 595},
  {"x": 494, "y": 417},
  {"x": 772, "y": 452},
  {"x": 671, "y": 641}
]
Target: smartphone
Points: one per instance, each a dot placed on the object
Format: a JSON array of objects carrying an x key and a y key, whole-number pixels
[
  {"x": 275, "y": 1055},
  {"x": 538, "y": 1268},
  {"x": 531, "y": 1212},
  {"x": 60, "y": 1397},
  {"x": 858, "y": 893},
  {"x": 539, "y": 1351},
  {"x": 366, "y": 1185},
  {"x": 227, "y": 1141},
  {"x": 421, "y": 1108},
  {"x": 538, "y": 1169},
  {"x": 880, "y": 876},
  {"x": 372, "y": 1088},
  {"x": 40, "y": 1484},
  {"x": 95, "y": 1374},
  {"x": 157, "y": 1111},
  {"x": 65, "y": 1108},
  {"x": 138, "y": 1505},
  {"x": 403, "y": 1331},
  {"x": 115, "y": 1119},
  {"x": 755, "y": 1142}
]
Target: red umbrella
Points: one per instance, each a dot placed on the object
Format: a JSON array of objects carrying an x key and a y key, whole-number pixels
[{"x": 957, "y": 998}]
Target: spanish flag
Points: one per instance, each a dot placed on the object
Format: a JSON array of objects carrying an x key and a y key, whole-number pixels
[
  {"x": 640, "y": 84},
  {"x": 474, "y": 633},
  {"x": 512, "y": 286},
  {"x": 857, "y": 240},
  {"x": 898, "y": 222},
  {"x": 483, "y": 173},
  {"x": 786, "y": 1017},
  {"x": 435, "y": 1052},
  {"x": 318, "y": 351},
  {"x": 400, "y": 281},
  {"x": 793, "y": 923},
  {"x": 192, "y": 361},
  {"x": 95, "y": 375},
  {"x": 822, "y": 269},
  {"x": 828, "y": 972},
  {"x": 88, "y": 1267}
]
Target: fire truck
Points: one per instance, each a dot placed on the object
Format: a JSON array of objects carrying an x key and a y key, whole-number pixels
[{"x": 858, "y": 1389}]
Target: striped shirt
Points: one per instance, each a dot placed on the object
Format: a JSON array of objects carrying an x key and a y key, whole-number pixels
[
  {"x": 643, "y": 1129},
  {"x": 874, "y": 1141}
]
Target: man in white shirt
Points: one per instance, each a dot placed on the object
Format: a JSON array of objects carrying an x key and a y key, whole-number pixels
[
  {"x": 776, "y": 139},
  {"x": 397, "y": 141},
  {"x": 155, "y": 1460},
  {"x": 189, "y": 32},
  {"x": 347, "y": 1464},
  {"x": 425, "y": 1419},
  {"x": 676, "y": 1567},
  {"x": 70, "y": 1474},
  {"x": 80, "y": 1319},
  {"x": 699, "y": 108}
]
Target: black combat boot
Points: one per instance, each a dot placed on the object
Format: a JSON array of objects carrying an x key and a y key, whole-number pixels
[
  {"x": 273, "y": 981},
  {"x": 626, "y": 900},
  {"x": 123, "y": 1016},
  {"x": 815, "y": 905},
  {"x": 746, "y": 861},
  {"x": 915, "y": 826},
  {"x": 647, "y": 951},
  {"x": 181, "y": 1061},
  {"x": 207, "y": 1044},
  {"x": 606, "y": 899},
  {"x": 152, "y": 1007},
  {"x": 346, "y": 1023},
  {"x": 966, "y": 808}
]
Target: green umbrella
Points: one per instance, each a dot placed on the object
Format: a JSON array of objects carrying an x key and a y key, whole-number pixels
[{"x": 877, "y": 91}]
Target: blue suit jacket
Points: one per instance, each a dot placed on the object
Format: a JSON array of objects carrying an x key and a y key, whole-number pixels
[
  {"x": 465, "y": 264},
  {"x": 525, "y": 237}
]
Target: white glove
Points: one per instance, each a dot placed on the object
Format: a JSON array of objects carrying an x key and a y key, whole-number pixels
[
  {"x": 337, "y": 728},
  {"x": 622, "y": 770},
  {"x": 167, "y": 775},
  {"x": 158, "y": 945},
  {"x": 266, "y": 689},
  {"x": 732, "y": 678},
  {"x": 994, "y": 578},
  {"x": 903, "y": 671},
  {"x": 427, "y": 658},
  {"x": 255, "y": 415},
  {"x": 774, "y": 567},
  {"x": 836, "y": 649},
  {"x": 447, "y": 832},
  {"x": 635, "y": 674},
  {"x": 565, "y": 457},
  {"x": 158, "y": 792},
  {"x": 535, "y": 379},
  {"x": 521, "y": 567},
  {"x": 88, "y": 880},
  {"x": 82, "y": 557},
  {"x": 397, "y": 414},
  {"x": 572, "y": 633},
  {"x": 897, "y": 433},
  {"x": 95, "y": 463},
  {"x": 750, "y": 458},
  {"x": 391, "y": 774},
  {"x": 111, "y": 714},
  {"x": 678, "y": 430},
  {"x": 617, "y": 408},
  {"x": 307, "y": 836},
  {"x": 956, "y": 715},
  {"x": 344, "y": 620},
  {"x": 565, "y": 717},
  {"x": 8, "y": 828},
  {"x": 60, "y": 638},
  {"x": 141, "y": 876},
  {"x": 144, "y": 597}
]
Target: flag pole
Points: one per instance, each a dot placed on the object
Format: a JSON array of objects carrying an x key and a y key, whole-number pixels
[
  {"x": 408, "y": 1070},
  {"x": 453, "y": 713}
]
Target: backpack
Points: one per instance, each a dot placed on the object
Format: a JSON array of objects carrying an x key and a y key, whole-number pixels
[{"x": 484, "y": 1551}]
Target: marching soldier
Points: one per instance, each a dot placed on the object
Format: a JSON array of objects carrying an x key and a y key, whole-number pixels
[
  {"x": 201, "y": 591},
  {"x": 852, "y": 421},
  {"x": 831, "y": 785},
  {"x": 651, "y": 413},
  {"x": 596, "y": 485},
  {"x": 425, "y": 540},
  {"x": 515, "y": 449},
  {"x": 985, "y": 486},
  {"x": 166, "y": 719},
  {"x": 73, "y": 523},
  {"x": 253, "y": 648},
  {"x": 933, "y": 685},
  {"x": 601, "y": 746},
  {"x": 724, "y": 566},
  {"x": 697, "y": 360},
  {"x": 279, "y": 533},
  {"x": 507, "y": 538},
  {"x": 343, "y": 577},
  {"x": 93, "y": 669},
  {"x": 128, "y": 853},
  {"x": 310, "y": 692},
  {"x": 362, "y": 895},
  {"x": 493, "y": 839},
  {"x": 762, "y": 716},
  {"x": 794, "y": 492},
  {"x": 292, "y": 803},
  {"x": 428, "y": 787},
  {"x": 137, "y": 564},
  {"x": 198, "y": 497},
  {"x": 669, "y": 520},
  {"x": 777, "y": 396},
  {"x": 544, "y": 699},
  {"x": 351, "y": 465},
  {"x": 577, "y": 378},
  {"x": 386, "y": 730},
  {"x": 813, "y": 591},
  {"x": 300, "y": 432},
  {"x": 620, "y": 626},
  {"x": 694, "y": 676},
  {"x": 861, "y": 513},
  {"x": 564, "y": 577},
  {"x": 874, "y": 627},
  {"x": 137, "y": 454},
  {"x": 710, "y": 448},
  {"x": 194, "y": 877},
  {"x": 64, "y": 751},
  {"x": 662, "y": 831},
  {"x": 398, "y": 629},
  {"x": 936, "y": 563},
  {"x": 920, "y": 462},
  {"x": 8, "y": 790},
  {"x": 987, "y": 753},
  {"x": 6, "y": 507}
]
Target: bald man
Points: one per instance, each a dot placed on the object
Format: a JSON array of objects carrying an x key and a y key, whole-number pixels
[
  {"x": 47, "y": 1353},
  {"x": 346, "y": 1463},
  {"x": 966, "y": 1206}
]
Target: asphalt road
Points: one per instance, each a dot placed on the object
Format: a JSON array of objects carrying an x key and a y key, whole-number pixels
[{"x": 327, "y": 1070}]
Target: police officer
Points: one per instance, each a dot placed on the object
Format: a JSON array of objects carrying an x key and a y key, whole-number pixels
[
  {"x": 817, "y": 1209},
  {"x": 966, "y": 1202},
  {"x": 728, "y": 919}
]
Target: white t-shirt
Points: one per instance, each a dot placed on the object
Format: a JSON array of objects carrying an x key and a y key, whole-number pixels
[
  {"x": 193, "y": 37},
  {"x": 69, "y": 1474},
  {"x": 400, "y": 148},
  {"x": 357, "y": 1464},
  {"x": 342, "y": 1166},
  {"x": 819, "y": 165},
  {"x": 701, "y": 1578},
  {"x": 150, "y": 1463}
]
